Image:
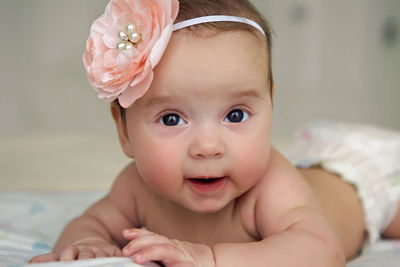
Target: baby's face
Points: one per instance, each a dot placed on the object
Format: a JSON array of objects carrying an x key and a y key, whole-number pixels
[{"x": 200, "y": 135}]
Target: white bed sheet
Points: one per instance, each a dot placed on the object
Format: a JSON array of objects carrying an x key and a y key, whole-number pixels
[{"x": 30, "y": 223}]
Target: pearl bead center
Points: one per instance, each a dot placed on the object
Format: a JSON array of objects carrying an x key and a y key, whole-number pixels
[{"x": 130, "y": 38}]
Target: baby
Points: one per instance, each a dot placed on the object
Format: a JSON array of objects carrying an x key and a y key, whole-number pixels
[{"x": 192, "y": 104}]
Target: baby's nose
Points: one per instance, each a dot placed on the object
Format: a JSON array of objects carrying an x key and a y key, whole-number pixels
[{"x": 207, "y": 144}]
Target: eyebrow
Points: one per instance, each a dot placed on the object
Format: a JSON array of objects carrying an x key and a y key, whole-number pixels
[
  {"x": 157, "y": 100},
  {"x": 247, "y": 93}
]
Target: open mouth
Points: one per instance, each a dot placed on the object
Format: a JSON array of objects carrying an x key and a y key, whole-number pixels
[
  {"x": 207, "y": 185},
  {"x": 205, "y": 180}
]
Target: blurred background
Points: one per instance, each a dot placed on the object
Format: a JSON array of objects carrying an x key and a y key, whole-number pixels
[{"x": 337, "y": 60}]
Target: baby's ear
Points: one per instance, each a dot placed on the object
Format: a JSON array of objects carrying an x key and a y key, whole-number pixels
[{"x": 120, "y": 123}]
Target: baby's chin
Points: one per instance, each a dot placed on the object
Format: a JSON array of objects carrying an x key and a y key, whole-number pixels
[
  {"x": 207, "y": 209},
  {"x": 209, "y": 206}
]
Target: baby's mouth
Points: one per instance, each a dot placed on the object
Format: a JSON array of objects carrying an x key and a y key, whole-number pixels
[
  {"x": 206, "y": 181},
  {"x": 207, "y": 185}
]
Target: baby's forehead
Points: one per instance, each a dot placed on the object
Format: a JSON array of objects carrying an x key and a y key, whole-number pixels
[
  {"x": 209, "y": 41},
  {"x": 211, "y": 64},
  {"x": 205, "y": 33}
]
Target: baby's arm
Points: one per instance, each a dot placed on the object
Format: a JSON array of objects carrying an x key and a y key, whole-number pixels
[
  {"x": 98, "y": 231},
  {"x": 294, "y": 231}
]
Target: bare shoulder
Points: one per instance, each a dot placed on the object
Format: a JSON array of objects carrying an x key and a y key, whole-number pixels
[
  {"x": 118, "y": 209},
  {"x": 127, "y": 194},
  {"x": 280, "y": 193},
  {"x": 280, "y": 175}
]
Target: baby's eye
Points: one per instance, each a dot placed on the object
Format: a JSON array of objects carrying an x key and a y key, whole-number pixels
[
  {"x": 171, "y": 119},
  {"x": 236, "y": 116}
]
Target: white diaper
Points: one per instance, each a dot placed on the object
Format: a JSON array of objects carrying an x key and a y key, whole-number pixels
[{"x": 365, "y": 156}]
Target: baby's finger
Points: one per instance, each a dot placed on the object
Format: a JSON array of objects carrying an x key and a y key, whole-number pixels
[
  {"x": 142, "y": 242},
  {"x": 45, "y": 258},
  {"x": 116, "y": 252},
  {"x": 69, "y": 253},
  {"x": 85, "y": 253},
  {"x": 107, "y": 251},
  {"x": 135, "y": 232},
  {"x": 168, "y": 254},
  {"x": 101, "y": 254}
]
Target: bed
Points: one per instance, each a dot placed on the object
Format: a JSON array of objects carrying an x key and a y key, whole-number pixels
[{"x": 46, "y": 180}]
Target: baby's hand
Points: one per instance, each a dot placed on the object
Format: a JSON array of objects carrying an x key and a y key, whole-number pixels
[
  {"x": 147, "y": 246},
  {"x": 87, "y": 248},
  {"x": 45, "y": 258}
]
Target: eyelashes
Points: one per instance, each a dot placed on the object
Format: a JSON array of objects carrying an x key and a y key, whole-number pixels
[
  {"x": 171, "y": 119},
  {"x": 234, "y": 116}
]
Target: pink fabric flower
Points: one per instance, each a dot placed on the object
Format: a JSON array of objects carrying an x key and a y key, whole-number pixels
[{"x": 127, "y": 74}]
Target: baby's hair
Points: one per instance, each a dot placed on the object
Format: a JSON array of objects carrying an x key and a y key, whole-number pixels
[{"x": 189, "y": 9}]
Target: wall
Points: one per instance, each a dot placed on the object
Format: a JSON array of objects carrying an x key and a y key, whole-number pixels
[
  {"x": 44, "y": 86},
  {"x": 336, "y": 60}
]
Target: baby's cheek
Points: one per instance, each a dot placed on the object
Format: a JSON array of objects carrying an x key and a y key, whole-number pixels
[
  {"x": 252, "y": 171},
  {"x": 160, "y": 169},
  {"x": 253, "y": 163}
]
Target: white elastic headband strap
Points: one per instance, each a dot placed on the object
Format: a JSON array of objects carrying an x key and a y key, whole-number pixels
[{"x": 216, "y": 18}]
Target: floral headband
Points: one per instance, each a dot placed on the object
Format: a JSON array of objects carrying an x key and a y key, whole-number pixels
[{"x": 127, "y": 42}]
